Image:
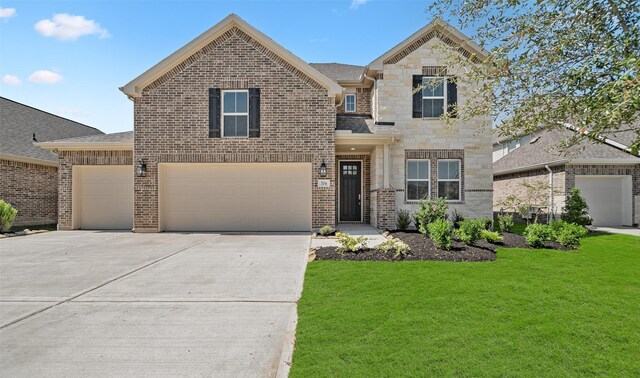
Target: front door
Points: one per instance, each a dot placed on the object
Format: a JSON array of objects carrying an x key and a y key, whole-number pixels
[{"x": 350, "y": 191}]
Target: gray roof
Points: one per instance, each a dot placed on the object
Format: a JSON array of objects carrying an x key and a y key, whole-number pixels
[
  {"x": 122, "y": 137},
  {"x": 625, "y": 137},
  {"x": 18, "y": 123},
  {"x": 545, "y": 151},
  {"x": 339, "y": 72},
  {"x": 357, "y": 124}
]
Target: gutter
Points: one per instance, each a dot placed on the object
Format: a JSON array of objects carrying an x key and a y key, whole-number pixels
[
  {"x": 550, "y": 214},
  {"x": 29, "y": 160},
  {"x": 531, "y": 167},
  {"x": 52, "y": 146},
  {"x": 602, "y": 139}
]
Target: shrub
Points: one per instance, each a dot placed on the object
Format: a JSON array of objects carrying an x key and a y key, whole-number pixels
[
  {"x": 567, "y": 234},
  {"x": 537, "y": 234},
  {"x": 400, "y": 248},
  {"x": 429, "y": 212},
  {"x": 575, "y": 209},
  {"x": 491, "y": 236},
  {"x": 456, "y": 217},
  {"x": 349, "y": 243},
  {"x": 505, "y": 222},
  {"x": 403, "y": 219},
  {"x": 469, "y": 230},
  {"x": 326, "y": 230},
  {"x": 440, "y": 233},
  {"x": 7, "y": 215}
]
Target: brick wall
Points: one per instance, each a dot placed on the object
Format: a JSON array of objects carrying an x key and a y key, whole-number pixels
[
  {"x": 32, "y": 189},
  {"x": 67, "y": 160},
  {"x": 171, "y": 120},
  {"x": 386, "y": 209},
  {"x": 511, "y": 184},
  {"x": 366, "y": 181},
  {"x": 363, "y": 101}
]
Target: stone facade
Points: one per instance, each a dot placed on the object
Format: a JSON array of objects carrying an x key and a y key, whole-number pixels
[
  {"x": 32, "y": 189},
  {"x": 392, "y": 102},
  {"x": 171, "y": 120},
  {"x": 366, "y": 184},
  {"x": 67, "y": 160},
  {"x": 363, "y": 101}
]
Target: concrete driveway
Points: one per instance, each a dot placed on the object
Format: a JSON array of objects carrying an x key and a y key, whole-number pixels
[{"x": 88, "y": 303}]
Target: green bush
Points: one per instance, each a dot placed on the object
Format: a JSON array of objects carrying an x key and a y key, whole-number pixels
[
  {"x": 440, "y": 233},
  {"x": 326, "y": 230},
  {"x": 429, "y": 212},
  {"x": 505, "y": 222},
  {"x": 349, "y": 243},
  {"x": 469, "y": 230},
  {"x": 567, "y": 234},
  {"x": 491, "y": 236},
  {"x": 456, "y": 217},
  {"x": 575, "y": 209},
  {"x": 7, "y": 215},
  {"x": 537, "y": 234},
  {"x": 400, "y": 248},
  {"x": 403, "y": 219}
]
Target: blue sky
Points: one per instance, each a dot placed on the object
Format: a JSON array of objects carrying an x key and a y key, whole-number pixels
[{"x": 72, "y": 64}]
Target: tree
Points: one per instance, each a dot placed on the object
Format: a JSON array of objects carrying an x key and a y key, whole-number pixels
[
  {"x": 552, "y": 62},
  {"x": 575, "y": 209}
]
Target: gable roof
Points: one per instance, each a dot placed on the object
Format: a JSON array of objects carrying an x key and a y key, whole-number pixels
[
  {"x": 114, "y": 141},
  {"x": 18, "y": 123},
  {"x": 436, "y": 28},
  {"x": 134, "y": 88},
  {"x": 544, "y": 151},
  {"x": 340, "y": 72}
]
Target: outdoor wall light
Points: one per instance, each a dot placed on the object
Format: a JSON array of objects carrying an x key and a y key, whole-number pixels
[
  {"x": 323, "y": 169},
  {"x": 141, "y": 169}
]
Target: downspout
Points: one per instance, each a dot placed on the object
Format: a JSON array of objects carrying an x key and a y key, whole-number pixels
[{"x": 550, "y": 214}]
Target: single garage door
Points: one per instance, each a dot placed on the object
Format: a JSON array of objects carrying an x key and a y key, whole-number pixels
[
  {"x": 608, "y": 198},
  {"x": 102, "y": 197},
  {"x": 235, "y": 197}
]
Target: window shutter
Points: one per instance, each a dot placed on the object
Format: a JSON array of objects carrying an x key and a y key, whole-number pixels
[
  {"x": 254, "y": 112},
  {"x": 417, "y": 96},
  {"x": 452, "y": 96},
  {"x": 214, "y": 112}
]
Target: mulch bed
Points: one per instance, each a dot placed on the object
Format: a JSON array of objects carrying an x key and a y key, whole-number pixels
[{"x": 422, "y": 248}]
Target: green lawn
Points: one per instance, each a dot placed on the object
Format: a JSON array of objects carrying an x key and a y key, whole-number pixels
[{"x": 531, "y": 313}]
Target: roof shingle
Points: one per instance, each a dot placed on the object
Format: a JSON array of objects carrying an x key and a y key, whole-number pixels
[{"x": 338, "y": 71}]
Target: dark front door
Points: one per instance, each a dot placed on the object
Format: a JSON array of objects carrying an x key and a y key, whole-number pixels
[{"x": 350, "y": 191}]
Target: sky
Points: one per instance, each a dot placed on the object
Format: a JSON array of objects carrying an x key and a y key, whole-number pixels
[{"x": 70, "y": 57}]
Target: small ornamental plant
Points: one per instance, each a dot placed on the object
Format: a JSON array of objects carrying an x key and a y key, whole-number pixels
[
  {"x": 440, "y": 233},
  {"x": 400, "y": 248},
  {"x": 491, "y": 236},
  {"x": 7, "y": 215},
  {"x": 429, "y": 212},
  {"x": 505, "y": 222},
  {"x": 575, "y": 209},
  {"x": 567, "y": 234},
  {"x": 403, "y": 219},
  {"x": 348, "y": 243},
  {"x": 469, "y": 230},
  {"x": 537, "y": 234},
  {"x": 326, "y": 230}
]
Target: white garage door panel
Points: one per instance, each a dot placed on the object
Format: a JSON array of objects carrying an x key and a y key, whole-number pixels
[
  {"x": 103, "y": 197},
  {"x": 236, "y": 197},
  {"x": 608, "y": 198}
]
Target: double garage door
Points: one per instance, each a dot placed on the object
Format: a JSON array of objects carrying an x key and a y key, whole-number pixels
[
  {"x": 199, "y": 197},
  {"x": 609, "y": 199}
]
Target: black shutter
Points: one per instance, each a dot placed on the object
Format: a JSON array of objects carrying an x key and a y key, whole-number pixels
[
  {"x": 417, "y": 96},
  {"x": 214, "y": 112},
  {"x": 452, "y": 96},
  {"x": 254, "y": 112}
]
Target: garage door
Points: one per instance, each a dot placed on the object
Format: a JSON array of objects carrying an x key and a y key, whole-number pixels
[
  {"x": 103, "y": 197},
  {"x": 235, "y": 197},
  {"x": 608, "y": 198}
]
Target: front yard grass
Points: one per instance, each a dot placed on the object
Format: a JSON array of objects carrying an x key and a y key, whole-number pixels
[{"x": 531, "y": 313}]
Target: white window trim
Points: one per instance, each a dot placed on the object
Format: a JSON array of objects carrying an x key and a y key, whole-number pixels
[
  {"x": 443, "y": 97},
  {"x": 407, "y": 179},
  {"x": 459, "y": 179},
  {"x": 233, "y": 114},
  {"x": 354, "y": 103}
]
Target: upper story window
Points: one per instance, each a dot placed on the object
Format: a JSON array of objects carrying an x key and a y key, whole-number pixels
[
  {"x": 449, "y": 179},
  {"x": 350, "y": 103},
  {"x": 235, "y": 114},
  {"x": 434, "y": 97},
  {"x": 417, "y": 179}
]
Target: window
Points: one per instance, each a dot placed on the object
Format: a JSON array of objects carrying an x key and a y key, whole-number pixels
[
  {"x": 350, "y": 103},
  {"x": 434, "y": 94},
  {"x": 417, "y": 179},
  {"x": 449, "y": 179},
  {"x": 235, "y": 114}
]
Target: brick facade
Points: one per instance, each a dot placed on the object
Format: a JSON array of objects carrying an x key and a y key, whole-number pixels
[
  {"x": 67, "y": 160},
  {"x": 171, "y": 120},
  {"x": 32, "y": 189},
  {"x": 366, "y": 184},
  {"x": 363, "y": 101},
  {"x": 385, "y": 209}
]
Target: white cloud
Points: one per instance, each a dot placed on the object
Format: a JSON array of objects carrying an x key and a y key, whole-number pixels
[
  {"x": 45, "y": 77},
  {"x": 356, "y": 3},
  {"x": 10, "y": 80},
  {"x": 7, "y": 12},
  {"x": 67, "y": 27}
]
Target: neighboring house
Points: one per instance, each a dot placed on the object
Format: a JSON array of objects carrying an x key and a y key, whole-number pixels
[
  {"x": 29, "y": 174},
  {"x": 607, "y": 174},
  {"x": 233, "y": 132}
]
